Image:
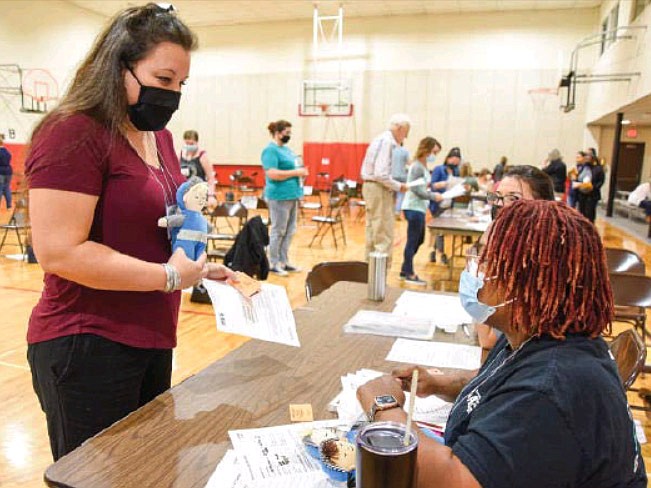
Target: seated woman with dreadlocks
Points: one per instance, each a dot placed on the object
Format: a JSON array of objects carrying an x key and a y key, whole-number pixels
[{"x": 547, "y": 408}]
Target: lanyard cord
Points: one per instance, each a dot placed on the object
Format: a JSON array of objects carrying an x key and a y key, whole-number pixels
[{"x": 508, "y": 359}]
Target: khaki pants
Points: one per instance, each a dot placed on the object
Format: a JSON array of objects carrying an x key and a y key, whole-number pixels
[{"x": 379, "y": 219}]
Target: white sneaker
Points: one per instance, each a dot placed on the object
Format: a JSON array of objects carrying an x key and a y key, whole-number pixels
[{"x": 278, "y": 271}]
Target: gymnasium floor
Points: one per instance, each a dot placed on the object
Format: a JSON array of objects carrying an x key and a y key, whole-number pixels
[{"x": 24, "y": 449}]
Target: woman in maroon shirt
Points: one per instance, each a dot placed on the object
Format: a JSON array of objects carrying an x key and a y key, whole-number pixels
[{"x": 102, "y": 170}]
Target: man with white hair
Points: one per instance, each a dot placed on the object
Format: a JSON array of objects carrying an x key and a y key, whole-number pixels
[{"x": 379, "y": 185}]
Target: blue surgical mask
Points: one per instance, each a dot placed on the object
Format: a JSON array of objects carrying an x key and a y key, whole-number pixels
[
  {"x": 431, "y": 159},
  {"x": 191, "y": 148},
  {"x": 469, "y": 286}
]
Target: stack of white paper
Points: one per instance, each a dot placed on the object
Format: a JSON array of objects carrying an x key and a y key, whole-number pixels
[
  {"x": 272, "y": 457},
  {"x": 431, "y": 410},
  {"x": 438, "y": 354},
  {"x": 443, "y": 310},
  {"x": 389, "y": 324}
]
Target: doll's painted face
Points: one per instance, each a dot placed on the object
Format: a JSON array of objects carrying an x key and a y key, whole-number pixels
[{"x": 196, "y": 197}]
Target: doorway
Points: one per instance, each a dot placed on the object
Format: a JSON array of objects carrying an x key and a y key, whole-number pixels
[{"x": 629, "y": 171}]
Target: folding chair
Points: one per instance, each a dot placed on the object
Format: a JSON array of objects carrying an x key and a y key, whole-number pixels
[
  {"x": 332, "y": 221},
  {"x": 632, "y": 296},
  {"x": 324, "y": 275},
  {"x": 18, "y": 223},
  {"x": 624, "y": 261},
  {"x": 227, "y": 221},
  {"x": 629, "y": 353}
]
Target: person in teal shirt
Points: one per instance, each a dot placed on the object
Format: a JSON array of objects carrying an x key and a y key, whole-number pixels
[{"x": 282, "y": 191}]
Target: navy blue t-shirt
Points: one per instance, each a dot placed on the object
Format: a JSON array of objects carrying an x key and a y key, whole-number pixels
[
  {"x": 552, "y": 414},
  {"x": 5, "y": 162}
]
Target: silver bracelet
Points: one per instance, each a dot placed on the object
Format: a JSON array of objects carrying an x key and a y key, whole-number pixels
[{"x": 172, "y": 278}]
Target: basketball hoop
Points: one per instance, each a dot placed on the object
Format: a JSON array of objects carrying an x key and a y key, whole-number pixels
[
  {"x": 540, "y": 96},
  {"x": 38, "y": 87},
  {"x": 324, "y": 108}
]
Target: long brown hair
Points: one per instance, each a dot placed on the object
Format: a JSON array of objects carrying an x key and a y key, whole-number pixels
[
  {"x": 549, "y": 259},
  {"x": 425, "y": 147},
  {"x": 98, "y": 86}
]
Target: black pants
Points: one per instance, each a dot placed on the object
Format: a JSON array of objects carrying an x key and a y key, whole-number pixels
[
  {"x": 588, "y": 205},
  {"x": 85, "y": 383}
]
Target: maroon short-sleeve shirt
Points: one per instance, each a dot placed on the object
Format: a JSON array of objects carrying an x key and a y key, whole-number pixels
[{"x": 78, "y": 154}]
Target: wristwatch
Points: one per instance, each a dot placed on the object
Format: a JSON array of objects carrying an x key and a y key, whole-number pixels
[{"x": 381, "y": 403}]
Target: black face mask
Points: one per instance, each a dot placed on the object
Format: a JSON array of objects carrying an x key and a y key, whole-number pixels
[
  {"x": 154, "y": 108},
  {"x": 285, "y": 139},
  {"x": 494, "y": 211}
]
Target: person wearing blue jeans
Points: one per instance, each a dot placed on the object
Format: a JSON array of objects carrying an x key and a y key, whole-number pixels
[
  {"x": 5, "y": 173},
  {"x": 282, "y": 191},
  {"x": 414, "y": 206}
]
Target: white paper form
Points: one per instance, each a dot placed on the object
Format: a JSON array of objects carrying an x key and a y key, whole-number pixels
[
  {"x": 275, "y": 457},
  {"x": 454, "y": 192},
  {"x": 438, "y": 354},
  {"x": 443, "y": 310},
  {"x": 389, "y": 324},
  {"x": 266, "y": 316},
  {"x": 228, "y": 473},
  {"x": 432, "y": 409}
]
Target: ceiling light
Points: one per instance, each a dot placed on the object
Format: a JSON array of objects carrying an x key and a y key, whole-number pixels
[{"x": 626, "y": 122}]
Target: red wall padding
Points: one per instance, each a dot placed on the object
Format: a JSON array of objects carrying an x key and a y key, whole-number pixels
[
  {"x": 18, "y": 154},
  {"x": 345, "y": 160}
]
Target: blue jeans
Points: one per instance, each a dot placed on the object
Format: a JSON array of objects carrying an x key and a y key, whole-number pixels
[
  {"x": 283, "y": 227},
  {"x": 5, "y": 189},
  {"x": 415, "y": 237}
]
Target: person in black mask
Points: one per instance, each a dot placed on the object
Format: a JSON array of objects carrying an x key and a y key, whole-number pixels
[
  {"x": 438, "y": 184},
  {"x": 102, "y": 170},
  {"x": 520, "y": 183}
]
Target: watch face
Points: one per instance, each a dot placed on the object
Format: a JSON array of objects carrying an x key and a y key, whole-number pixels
[{"x": 385, "y": 400}]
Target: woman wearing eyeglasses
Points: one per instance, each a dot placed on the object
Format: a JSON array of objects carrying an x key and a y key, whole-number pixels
[
  {"x": 547, "y": 408},
  {"x": 102, "y": 171}
]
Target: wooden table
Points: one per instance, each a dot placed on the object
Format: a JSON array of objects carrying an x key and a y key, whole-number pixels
[
  {"x": 456, "y": 226},
  {"x": 178, "y": 438}
]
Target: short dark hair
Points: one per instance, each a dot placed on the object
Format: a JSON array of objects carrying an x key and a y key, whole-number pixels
[
  {"x": 278, "y": 126},
  {"x": 540, "y": 183},
  {"x": 191, "y": 134}
]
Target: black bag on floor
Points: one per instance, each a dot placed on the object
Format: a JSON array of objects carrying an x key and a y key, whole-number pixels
[{"x": 200, "y": 294}]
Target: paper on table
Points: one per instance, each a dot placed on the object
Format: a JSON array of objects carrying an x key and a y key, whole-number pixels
[
  {"x": 228, "y": 473},
  {"x": 443, "y": 310},
  {"x": 432, "y": 409},
  {"x": 388, "y": 324},
  {"x": 439, "y": 354},
  {"x": 266, "y": 315},
  {"x": 276, "y": 457}
]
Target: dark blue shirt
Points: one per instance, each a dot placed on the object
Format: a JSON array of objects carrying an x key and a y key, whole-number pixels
[
  {"x": 5, "y": 162},
  {"x": 552, "y": 414},
  {"x": 440, "y": 173}
]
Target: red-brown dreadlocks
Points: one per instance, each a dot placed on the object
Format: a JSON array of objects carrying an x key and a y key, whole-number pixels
[{"x": 550, "y": 259}]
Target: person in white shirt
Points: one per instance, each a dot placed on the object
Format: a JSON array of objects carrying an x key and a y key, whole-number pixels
[
  {"x": 641, "y": 197},
  {"x": 380, "y": 186}
]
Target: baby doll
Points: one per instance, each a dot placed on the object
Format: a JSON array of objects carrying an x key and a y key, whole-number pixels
[{"x": 188, "y": 227}]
